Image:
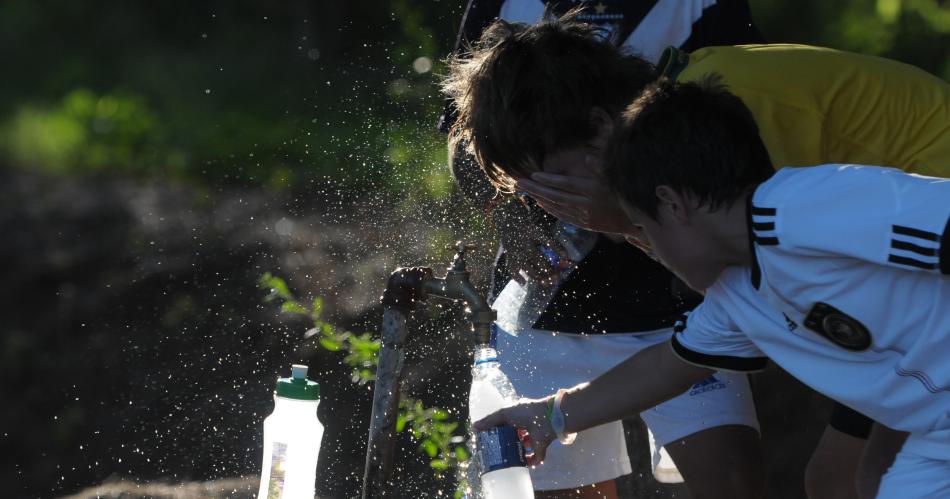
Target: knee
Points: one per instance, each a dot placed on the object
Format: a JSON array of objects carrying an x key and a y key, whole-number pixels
[
  {"x": 748, "y": 485},
  {"x": 819, "y": 482},
  {"x": 866, "y": 482},
  {"x": 744, "y": 479},
  {"x": 826, "y": 479}
]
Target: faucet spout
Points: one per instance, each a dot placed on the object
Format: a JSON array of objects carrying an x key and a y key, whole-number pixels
[
  {"x": 410, "y": 285},
  {"x": 457, "y": 285},
  {"x": 406, "y": 287}
]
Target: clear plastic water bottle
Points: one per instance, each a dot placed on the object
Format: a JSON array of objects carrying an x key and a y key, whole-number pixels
[
  {"x": 292, "y": 436},
  {"x": 577, "y": 242},
  {"x": 520, "y": 305},
  {"x": 500, "y": 456}
]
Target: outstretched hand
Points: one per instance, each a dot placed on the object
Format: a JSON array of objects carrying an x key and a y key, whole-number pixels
[
  {"x": 582, "y": 201},
  {"x": 530, "y": 415}
]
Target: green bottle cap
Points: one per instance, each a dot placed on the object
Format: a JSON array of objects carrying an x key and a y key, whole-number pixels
[{"x": 297, "y": 386}]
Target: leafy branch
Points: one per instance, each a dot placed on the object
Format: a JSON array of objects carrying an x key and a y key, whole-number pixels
[{"x": 432, "y": 427}]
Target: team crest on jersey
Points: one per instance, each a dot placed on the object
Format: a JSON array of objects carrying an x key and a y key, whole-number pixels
[{"x": 839, "y": 327}]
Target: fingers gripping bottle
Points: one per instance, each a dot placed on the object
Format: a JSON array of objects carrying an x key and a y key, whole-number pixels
[
  {"x": 292, "y": 435},
  {"x": 498, "y": 451}
]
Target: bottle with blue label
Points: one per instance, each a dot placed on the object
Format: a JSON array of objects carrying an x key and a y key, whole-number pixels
[{"x": 499, "y": 454}]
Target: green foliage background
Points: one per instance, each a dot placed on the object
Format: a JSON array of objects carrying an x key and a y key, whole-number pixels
[
  {"x": 249, "y": 93},
  {"x": 237, "y": 96},
  {"x": 276, "y": 94}
]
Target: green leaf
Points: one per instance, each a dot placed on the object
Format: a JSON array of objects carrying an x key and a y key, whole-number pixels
[
  {"x": 400, "y": 422},
  {"x": 317, "y": 308},
  {"x": 329, "y": 344},
  {"x": 461, "y": 454},
  {"x": 430, "y": 447},
  {"x": 439, "y": 464},
  {"x": 293, "y": 308},
  {"x": 263, "y": 281},
  {"x": 277, "y": 285}
]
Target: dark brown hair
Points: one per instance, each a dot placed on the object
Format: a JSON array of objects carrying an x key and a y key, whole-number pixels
[
  {"x": 696, "y": 138},
  {"x": 522, "y": 91}
]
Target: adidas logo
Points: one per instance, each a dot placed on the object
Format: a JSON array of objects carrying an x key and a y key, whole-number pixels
[
  {"x": 791, "y": 324},
  {"x": 707, "y": 385}
]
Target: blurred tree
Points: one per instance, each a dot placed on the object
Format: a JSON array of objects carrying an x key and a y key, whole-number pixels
[
  {"x": 912, "y": 31},
  {"x": 248, "y": 93},
  {"x": 254, "y": 93}
]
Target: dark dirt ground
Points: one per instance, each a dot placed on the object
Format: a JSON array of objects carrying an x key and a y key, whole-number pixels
[{"x": 138, "y": 357}]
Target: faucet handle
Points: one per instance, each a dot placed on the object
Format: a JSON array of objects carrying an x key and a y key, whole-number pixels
[{"x": 460, "y": 247}]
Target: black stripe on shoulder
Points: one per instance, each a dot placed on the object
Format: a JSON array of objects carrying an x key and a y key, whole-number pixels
[
  {"x": 763, "y": 226},
  {"x": 945, "y": 250},
  {"x": 764, "y": 212},
  {"x": 721, "y": 362},
  {"x": 766, "y": 241},
  {"x": 756, "y": 274},
  {"x": 912, "y": 232},
  {"x": 906, "y": 246},
  {"x": 633, "y": 14},
  {"x": 726, "y": 22},
  {"x": 910, "y": 262}
]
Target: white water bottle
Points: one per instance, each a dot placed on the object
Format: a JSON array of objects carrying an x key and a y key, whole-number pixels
[
  {"x": 292, "y": 435},
  {"x": 500, "y": 456}
]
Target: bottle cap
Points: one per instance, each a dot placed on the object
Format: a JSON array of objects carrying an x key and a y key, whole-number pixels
[{"x": 297, "y": 386}]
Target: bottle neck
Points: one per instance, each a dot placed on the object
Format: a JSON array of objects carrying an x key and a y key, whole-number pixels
[{"x": 484, "y": 355}]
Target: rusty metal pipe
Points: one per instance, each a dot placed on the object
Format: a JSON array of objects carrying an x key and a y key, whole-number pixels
[{"x": 405, "y": 288}]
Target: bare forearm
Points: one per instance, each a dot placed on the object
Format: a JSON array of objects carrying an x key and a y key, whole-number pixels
[{"x": 651, "y": 377}]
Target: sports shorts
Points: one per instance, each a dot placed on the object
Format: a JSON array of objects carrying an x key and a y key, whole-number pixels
[{"x": 538, "y": 363}]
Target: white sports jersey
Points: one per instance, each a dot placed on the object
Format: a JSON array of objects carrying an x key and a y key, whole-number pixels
[
  {"x": 665, "y": 22},
  {"x": 848, "y": 292}
]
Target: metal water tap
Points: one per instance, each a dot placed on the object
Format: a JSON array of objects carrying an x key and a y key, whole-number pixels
[
  {"x": 410, "y": 285},
  {"x": 406, "y": 287},
  {"x": 457, "y": 285}
]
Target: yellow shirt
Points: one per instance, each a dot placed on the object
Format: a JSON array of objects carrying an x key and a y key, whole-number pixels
[{"x": 816, "y": 105}]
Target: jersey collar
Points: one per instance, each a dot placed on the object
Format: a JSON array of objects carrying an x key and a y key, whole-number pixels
[{"x": 672, "y": 62}]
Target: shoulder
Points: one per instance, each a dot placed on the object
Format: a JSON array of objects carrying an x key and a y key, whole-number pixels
[
  {"x": 840, "y": 188},
  {"x": 855, "y": 211}
]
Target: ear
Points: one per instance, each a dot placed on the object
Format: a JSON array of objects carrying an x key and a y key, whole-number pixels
[
  {"x": 672, "y": 205},
  {"x": 604, "y": 124}
]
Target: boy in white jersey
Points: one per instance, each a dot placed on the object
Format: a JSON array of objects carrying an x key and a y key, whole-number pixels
[{"x": 838, "y": 273}]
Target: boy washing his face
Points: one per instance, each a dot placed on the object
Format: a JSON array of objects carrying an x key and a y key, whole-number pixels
[
  {"x": 838, "y": 273},
  {"x": 813, "y": 106}
]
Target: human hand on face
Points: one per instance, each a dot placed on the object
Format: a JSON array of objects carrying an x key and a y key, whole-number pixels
[
  {"x": 582, "y": 201},
  {"x": 530, "y": 415},
  {"x": 571, "y": 188}
]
